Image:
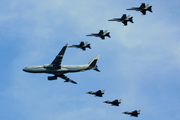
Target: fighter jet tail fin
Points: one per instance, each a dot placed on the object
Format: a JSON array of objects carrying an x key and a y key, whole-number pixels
[
  {"x": 103, "y": 91},
  {"x": 150, "y": 9},
  {"x": 108, "y": 34},
  {"x": 120, "y": 100},
  {"x": 88, "y": 46},
  {"x": 131, "y": 19},
  {"x": 138, "y": 111}
]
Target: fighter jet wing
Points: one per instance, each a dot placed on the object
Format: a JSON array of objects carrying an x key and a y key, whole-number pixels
[
  {"x": 57, "y": 61},
  {"x": 101, "y": 32},
  {"x": 124, "y": 22},
  {"x": 81, "y": 44},
  {"x": 143, "y": 12},
  {"x": 142, "y": 6},
  {"x": 83, "y": 48},
  {"x": 102, "y": 37},
  {"x": 67, "y": 79},
  {"x": 123, "y": 17}
]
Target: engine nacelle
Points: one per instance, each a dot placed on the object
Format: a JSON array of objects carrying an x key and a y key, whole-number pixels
[{"x": 52, "y": 78}]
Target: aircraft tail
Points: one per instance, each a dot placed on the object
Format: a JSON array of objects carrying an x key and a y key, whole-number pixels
[
  {"x": 88, "y": 46},
  {"x": 138, "y": 111},
  {"x": 92, "y": 63},
  {"x": 131, "y": 19},
  {"x": 103, "y": 91},
  {"x": 120, "y": 100},
  {"x": 150, "y": 9},
  {"x": 108, "y": 35}
]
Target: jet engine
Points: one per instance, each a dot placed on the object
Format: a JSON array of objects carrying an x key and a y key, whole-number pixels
[{"x": 52, "y": 78}]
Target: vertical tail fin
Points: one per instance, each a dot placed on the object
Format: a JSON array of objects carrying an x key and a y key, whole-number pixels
[
  {"x": 92, "y": 63},
  {"x": 105, "y": 32},
  {"x": 120, "y": 100},
  {"x": 103, "y": 91},
  {"x": 147, "y": 6},
  {"x": 138, "y": 111}
]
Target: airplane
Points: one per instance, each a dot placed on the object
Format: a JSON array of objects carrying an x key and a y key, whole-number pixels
[
  {"x": 82, "y": 45},
  {"x": 143, "y": 8},
  {"x": 59, "y": 70},
  {"x": 101, "y": 34},
  {"x": 133, "y": 113},
  {"x": 124, "y": 19},
  {"x": 115, "y": 102},
  {"x": 98, "y": 93}
]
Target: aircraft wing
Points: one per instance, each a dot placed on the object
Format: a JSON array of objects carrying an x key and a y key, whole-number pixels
[
  {"x": 142, "y": 6},
  {"x": 83, "y": 48},
  {"x": 143, "y": 12},
  {"x": 57, "y": 61},
  {"x": 123, "y": 17},
  {"x": 67, "y": 79},
  {"x": 101, "y": 32},
  {"x": 81, "y": 44},
  {"x": 125, "y": 23}
]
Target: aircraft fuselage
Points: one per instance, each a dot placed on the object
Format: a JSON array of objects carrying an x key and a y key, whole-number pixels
[{"x": 63, "y": 69}]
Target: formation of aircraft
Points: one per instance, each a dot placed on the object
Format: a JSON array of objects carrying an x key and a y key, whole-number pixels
[
  {"x": 133, "y": 113},
  {"x": 143, "y": 8},
  {"x": 124, "y": 19},
  {"x": 82, "y": 45},
  {"x": 59, "y": 70},
  {"x": 115, "y": 102},
  {"x": 102, "y": 34},
  {"x": 98, "y": 93}
]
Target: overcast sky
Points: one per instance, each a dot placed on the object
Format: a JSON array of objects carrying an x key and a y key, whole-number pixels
[{"x": 140, "y": 63}]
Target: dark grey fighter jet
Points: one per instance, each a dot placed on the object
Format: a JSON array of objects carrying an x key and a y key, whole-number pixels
[
  {"x": 115, "y": 102},
  {"x": 59, "y": 70},
  {"x": 133, "y": 113},
  {"x": 82, "y": 45},
  {"x": 98, "y": 93},
  {"x": 101, "y": 34},
  {"x": 143, "y": 8},
  {"x": 124, "y": 19}
]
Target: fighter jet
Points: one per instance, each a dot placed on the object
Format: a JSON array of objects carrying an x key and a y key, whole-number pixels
[
  {"x": 142, "y": 8},
  {"x": 82, "y": 45},
  {"x": 133, "y": 113},
  {"x": 98, "y": 93},
  {"x": 115, "y": 102},
  {"x": 124, "y": 19},
  {"x": 101, "y": 34},
  {"x": 59, "y": 70}
]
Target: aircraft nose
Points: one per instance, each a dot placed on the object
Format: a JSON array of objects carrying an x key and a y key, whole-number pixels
[{"x": 25, "y": 69}]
